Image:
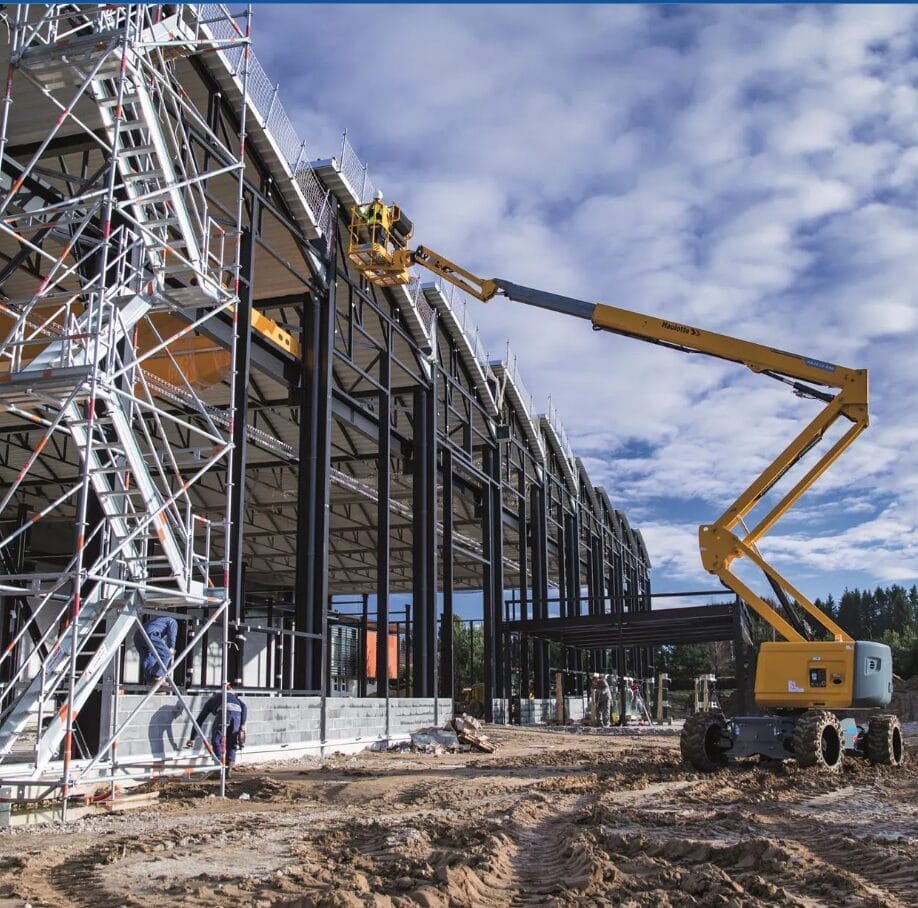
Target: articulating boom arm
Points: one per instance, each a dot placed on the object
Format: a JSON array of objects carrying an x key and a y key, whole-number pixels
[
  {"x": 720, "y": 546},
  {"x": 379, "y": 250}
]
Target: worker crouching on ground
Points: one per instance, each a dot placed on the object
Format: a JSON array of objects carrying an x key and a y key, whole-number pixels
[
  {"x": 603, "y": 695},
  {"x": 162, "y": 632},
  {"x": 236, "y": 713}
]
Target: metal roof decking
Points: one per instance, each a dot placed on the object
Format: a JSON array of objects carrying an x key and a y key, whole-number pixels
[
  {"x": 521, "y": 400},
  {"x": 335, "y": 179},
  {"x": 416, "y": 311},
  {"x": 609, "y": 512},
  {"x": 454, "y": 315},
  {"x": 558, "y": 441},
  {"x": 639, "y": 538}
]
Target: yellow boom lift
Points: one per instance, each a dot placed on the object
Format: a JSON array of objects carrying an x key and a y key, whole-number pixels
[{"x": 823, "y": 695}]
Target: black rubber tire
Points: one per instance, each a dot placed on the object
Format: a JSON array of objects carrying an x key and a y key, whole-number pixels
[
  {"x": 818, "y": 740},
  {"x": 884, "y": 740},
  {"x": 696, "y": 742}
]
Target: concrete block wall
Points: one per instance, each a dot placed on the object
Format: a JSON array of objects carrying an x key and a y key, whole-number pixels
[{"x": 276, "y": 725}]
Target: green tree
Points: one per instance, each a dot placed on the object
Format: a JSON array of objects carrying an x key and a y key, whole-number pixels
[{"x": 468, "y": 653}]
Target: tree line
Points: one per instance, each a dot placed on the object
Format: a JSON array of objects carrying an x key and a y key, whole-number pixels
[{"x": 887, "y": 615}]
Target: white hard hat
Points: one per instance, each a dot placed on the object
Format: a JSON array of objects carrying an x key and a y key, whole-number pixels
[{"x": 378, "y": 194}]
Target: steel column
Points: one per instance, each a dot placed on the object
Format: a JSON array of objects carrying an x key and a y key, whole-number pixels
[
  {"x": 314, "y": 491},
  {"x": 424, "y": 580},
  {"x": 447, "y": 655},
  {"x": 538, "y": 512},
  {"x": 384, "y": 466}
]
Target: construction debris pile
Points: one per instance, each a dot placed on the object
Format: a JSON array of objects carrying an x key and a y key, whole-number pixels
[
  {"x": 468, "y": 730},
  {"x": 460, "y": 735}
]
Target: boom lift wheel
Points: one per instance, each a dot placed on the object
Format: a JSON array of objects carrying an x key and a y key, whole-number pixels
[
  {"x": 884, "y": 741},
  {"x": 818, "y": 740},
  {"x": 701, "y": 741}
]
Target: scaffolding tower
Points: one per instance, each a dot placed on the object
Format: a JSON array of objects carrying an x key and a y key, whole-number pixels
[{"x": 120, "y": 234}]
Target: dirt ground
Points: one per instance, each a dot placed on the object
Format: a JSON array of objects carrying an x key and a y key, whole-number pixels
[{"x": 552, "y": 818}]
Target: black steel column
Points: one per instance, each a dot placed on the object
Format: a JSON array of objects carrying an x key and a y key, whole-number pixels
[
  {"x": 487, "y": 589},
  {"x": 522, "y": 523},
  {"x": 492, "y": 579},
  {"x": 538, "y": 520},
  {"x": 383, "y": 466},
  {"x": 424, "y": 532},
  {"x": 572, "y": 582},
  {"x": 501, "y": 640},
  {"x": 447, "y": 655},
  {"x": 240, "y": 419},
  {"x": 314, "y": 490},
  {"x": 240, "y": 405},
  {"x": 363, "y": 649}
]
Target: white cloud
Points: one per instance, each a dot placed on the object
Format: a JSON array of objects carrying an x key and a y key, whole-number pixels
[{"x": 748, "y": 169}]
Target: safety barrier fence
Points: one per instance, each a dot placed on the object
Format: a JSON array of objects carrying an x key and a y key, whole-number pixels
[
  {"x": 512, "y": 369},
  {"x": 355, "y": 171},
  {"x": 419, "y": 301},
  {"x": 459, "y": 304},
  {"x": 264, "y": 97},
  {"x": 554, "y": 420}
]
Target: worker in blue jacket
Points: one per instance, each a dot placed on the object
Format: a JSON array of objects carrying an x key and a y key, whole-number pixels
[
  {"x": 236, "y": 713},
  {"x": 163, "y": 632}
]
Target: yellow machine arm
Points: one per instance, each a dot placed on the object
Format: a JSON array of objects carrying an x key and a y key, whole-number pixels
[
  {"x": 383, "y": 257},
  {"x": 720, "y": 546}
]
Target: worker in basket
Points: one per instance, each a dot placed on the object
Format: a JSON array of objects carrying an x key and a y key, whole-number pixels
[{"x": 375, "y": 216}]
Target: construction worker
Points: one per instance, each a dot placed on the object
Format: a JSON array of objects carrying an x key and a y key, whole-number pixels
[
  {"x": 376, "y": 219},
  {"x": 603, "y": 696},
  {"x": 236, "y": 713},
  {"x": 163, "y": 632}
]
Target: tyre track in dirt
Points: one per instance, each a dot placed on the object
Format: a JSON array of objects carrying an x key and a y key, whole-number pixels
[
  {"x": 886, "y": 870},
  {"x": 599, "y": 823}
]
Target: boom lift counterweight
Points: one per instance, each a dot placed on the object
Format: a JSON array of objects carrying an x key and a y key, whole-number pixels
[{"x": 815, "y": 684}]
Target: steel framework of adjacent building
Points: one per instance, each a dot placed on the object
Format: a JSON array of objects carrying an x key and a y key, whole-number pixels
[{"x": 206, "y": 413}]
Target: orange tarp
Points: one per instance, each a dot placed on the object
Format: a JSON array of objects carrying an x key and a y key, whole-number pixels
[{"x": 371, "y": 655}]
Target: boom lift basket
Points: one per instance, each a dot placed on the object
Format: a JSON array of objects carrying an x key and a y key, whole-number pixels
[{"x": 378, "y": 249}]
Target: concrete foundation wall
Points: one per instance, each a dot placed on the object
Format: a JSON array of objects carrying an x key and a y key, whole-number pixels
[{"x": 277, "y": 727}]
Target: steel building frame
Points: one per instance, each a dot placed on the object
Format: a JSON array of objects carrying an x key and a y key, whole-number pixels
[{"x": 205, "y": 412}]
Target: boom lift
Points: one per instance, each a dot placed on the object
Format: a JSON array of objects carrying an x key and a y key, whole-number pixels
[{"x": 822, "y": 694}]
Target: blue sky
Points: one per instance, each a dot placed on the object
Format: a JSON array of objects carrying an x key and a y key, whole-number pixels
[{"x": 752, "y": 170}]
